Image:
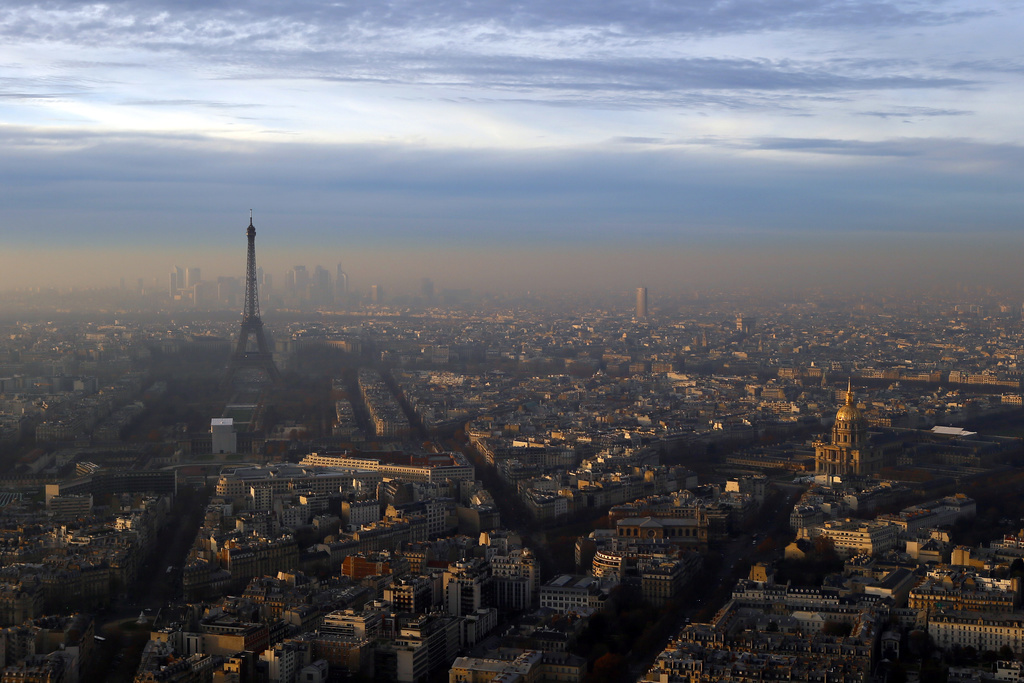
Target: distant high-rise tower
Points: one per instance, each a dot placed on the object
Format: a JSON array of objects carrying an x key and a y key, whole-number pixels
[
  {"x": 341, "y": 282},
  {"x": 193, "y": 276},
  {"x": 321, "y": 291},
  {"x": 298, "y": 282},
  {"x": 261, "y": 357},
  {"x": 641, "y": 303},
  {"x": 177, "y": 281}
]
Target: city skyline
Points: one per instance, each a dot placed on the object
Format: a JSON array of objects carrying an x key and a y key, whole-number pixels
[
  {"x": 480, "y": 135},
  {"x": 585, "y": 343},
  {"x": 892, "y": 268}
]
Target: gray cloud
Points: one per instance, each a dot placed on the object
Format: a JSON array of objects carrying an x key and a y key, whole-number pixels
[
  {"x": 189, "y": 103},
  {"x": 155, "y": 190},
  {"x": 637, "y": 140},
  {"x": 1000, "y": 66},
  {"x": 30, "y": 96},
  {"x": 329, "y": 21},
  {"x": 844, "y": 147},
  {"x": 612, "y": 83},
  {"x": 686, "y": 74},
  {"x": 915, "y": 112},
  {"x": 505, "y": 52},
  {"x": 945, "y": 155},
  {"x": 47, "y": 87}
]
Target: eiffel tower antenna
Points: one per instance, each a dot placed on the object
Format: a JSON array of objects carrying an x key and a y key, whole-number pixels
[{"x": 252, "y": 326}]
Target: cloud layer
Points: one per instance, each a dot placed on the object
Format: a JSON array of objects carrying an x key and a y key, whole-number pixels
[{"x": 496, "y": 124}]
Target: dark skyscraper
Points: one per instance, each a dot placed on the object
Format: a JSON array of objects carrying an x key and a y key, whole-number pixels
[
  {"x": 298, "y": 282},
  {"x": 641, "y": 303},
  {"x": 321, "y": 290}
]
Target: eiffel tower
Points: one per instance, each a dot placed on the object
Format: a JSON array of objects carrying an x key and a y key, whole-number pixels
[{"x": 243, "y": 356}]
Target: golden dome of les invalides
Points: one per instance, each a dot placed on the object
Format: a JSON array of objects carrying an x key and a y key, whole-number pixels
[{"x": 849, "y": 412}]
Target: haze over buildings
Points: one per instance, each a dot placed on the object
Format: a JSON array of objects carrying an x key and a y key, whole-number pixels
[{"x": 470, "y": 438}]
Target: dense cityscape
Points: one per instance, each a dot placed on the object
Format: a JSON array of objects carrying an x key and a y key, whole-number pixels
[
  {"x": 594, "y": 342},
  {"x": 447, "y": 485}
]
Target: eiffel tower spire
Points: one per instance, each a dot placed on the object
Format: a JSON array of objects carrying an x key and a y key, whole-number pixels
[{"x": 261, "y": 357}]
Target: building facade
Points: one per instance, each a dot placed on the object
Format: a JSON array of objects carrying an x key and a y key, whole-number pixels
[{"x": 850, "y": 451}]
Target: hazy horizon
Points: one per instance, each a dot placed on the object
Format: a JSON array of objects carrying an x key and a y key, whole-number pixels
[{"x": 905, "y": 266}]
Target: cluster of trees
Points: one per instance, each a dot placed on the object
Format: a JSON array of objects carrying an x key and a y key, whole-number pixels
[
  {"x": 629, "y": 624},
  {"x": 820, "y": 560}
]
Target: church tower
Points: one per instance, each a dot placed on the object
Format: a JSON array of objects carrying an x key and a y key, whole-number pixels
[{"x": 850, "y": 428}]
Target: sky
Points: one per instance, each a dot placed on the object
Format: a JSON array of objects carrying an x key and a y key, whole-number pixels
[{"x": 617, "y": 142}]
